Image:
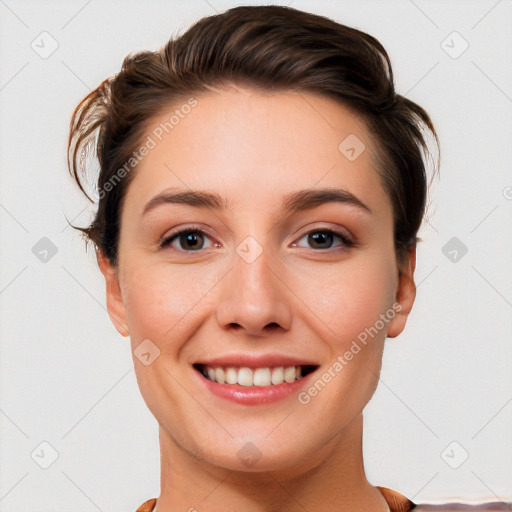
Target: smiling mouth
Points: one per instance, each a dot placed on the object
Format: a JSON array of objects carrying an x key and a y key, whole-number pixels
[{"x": 254, "y": 377}]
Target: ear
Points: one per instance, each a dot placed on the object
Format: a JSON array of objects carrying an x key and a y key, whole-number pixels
[
  {"x": 115, "y": 304},
  {"x": 405, "y": 294}
]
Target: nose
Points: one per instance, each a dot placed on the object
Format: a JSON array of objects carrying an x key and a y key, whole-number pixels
[{"x": 254, "y": 297}]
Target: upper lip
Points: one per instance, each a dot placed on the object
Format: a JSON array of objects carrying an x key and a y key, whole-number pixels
[{"x": 255, "y": 361}]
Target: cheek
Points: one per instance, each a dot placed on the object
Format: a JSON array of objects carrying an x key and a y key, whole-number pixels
[
  {"x": 162, "y": 298},
  {"x": 163, "y": 302},
  {"x": 349, "y": 299}
]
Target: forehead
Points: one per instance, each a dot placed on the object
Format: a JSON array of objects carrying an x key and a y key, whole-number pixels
[{"x": 253, "y": 147}]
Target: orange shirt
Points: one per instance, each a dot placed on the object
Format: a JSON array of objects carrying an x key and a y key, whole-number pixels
[{"x": 396, "y": 501}]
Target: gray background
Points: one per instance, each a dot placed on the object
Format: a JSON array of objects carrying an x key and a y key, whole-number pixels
[{"x": 66, "y": 374}]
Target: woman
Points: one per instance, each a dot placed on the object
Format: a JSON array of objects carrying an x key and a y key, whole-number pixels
[{"x": 273, "y": 142}]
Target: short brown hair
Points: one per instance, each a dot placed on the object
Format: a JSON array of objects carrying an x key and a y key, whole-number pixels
[{"x": 271, "y": 48}]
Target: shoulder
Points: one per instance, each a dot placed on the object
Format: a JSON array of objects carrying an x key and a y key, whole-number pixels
[
  {"x": 147, "y": 506},
  {"x": 397, "y": 502},
  {"x": 494, "y": 506}
]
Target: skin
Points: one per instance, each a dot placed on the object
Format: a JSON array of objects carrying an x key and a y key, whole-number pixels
[{"x": 305, "y": 300}]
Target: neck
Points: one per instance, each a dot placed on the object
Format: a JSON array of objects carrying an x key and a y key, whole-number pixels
[{"x": 335, "y": 480}]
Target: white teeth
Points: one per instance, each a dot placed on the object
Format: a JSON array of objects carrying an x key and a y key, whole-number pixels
[
  {"x": 248, "y": 377},
  {"x": 231, "y": 376},
  {"x": 245, "y": 377},
  {"x": 289, "y": 374},
  {"x": 219, "y": 375},
  {"x": 262, "y": 377},
  {"x": 277, "y": 375}
]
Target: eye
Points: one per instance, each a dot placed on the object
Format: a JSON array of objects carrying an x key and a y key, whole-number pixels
[
  {"x": 193, "y": 240},
  {"x": 188, "y": 240},
  {"x": 325, "y": 238}
]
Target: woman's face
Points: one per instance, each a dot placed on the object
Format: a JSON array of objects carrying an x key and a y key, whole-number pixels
[{"x": 289, "y": 261}]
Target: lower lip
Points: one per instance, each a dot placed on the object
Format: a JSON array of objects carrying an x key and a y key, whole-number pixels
[{"x": 254, "y": 395}]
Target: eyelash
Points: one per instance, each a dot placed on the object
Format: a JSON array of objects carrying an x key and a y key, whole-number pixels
[{"x": 347, "y": 242}]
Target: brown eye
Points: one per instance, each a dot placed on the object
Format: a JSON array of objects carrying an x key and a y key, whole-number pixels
[
  {"x": 321, "y": 239},
  {"x": 189, "y": 240},
  {"x": 325, "y": 239}
]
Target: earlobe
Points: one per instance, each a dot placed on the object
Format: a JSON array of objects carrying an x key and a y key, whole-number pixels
[
  {"x": 115, "y": 304},
  {"x": 405, "y": 295}
]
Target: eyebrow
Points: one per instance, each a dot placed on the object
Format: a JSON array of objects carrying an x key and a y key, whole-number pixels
[{"x": 293, "y": 202}]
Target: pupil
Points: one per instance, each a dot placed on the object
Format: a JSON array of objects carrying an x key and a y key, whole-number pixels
[
  {"x": 320, "y": 237},
  {"x": 191, "y": 240}
]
